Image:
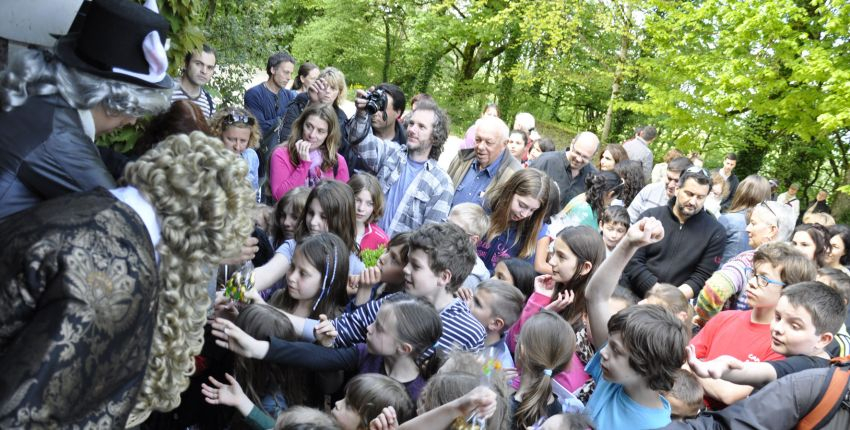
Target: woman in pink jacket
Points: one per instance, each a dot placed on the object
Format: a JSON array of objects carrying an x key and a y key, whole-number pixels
[{"x": 310, "y": 154}]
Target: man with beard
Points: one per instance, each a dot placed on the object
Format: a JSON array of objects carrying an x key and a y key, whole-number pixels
[
  {"x": 692, "y": 246},
  {"x": 569, "y": 170},
  {"x": 659, "y": 193},
  {"x": 198, "y": 69},
  {"x": 416, "y": 189}
]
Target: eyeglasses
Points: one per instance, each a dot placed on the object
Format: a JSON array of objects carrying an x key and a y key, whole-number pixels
[
  {"x": 579, "y": 155},
  {"x": 238, "y": 118},
  {"x": 767, "y": 206},
  {"x": 763, "y": 281}
]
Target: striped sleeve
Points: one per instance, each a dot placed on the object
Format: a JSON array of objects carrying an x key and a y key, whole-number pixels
[
  {"x": 460, "y": 329},
  {"x": 351, "y": 327}
]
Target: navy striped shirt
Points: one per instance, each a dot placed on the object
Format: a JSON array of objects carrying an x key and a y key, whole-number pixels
[{"x": 460, "y": 328}]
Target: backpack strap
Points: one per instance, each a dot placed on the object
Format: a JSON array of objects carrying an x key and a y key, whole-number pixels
[
  {"x": 209, "y": 101},
  {"x": 831, "y": 396}
]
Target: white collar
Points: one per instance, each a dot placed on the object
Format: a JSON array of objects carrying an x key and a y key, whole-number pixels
[
  {"x": 88, "y": 123},
  {"x": 131, "y": 196}
]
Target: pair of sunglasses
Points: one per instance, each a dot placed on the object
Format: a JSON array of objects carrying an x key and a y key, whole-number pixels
[{"x": 235, "y": 118}]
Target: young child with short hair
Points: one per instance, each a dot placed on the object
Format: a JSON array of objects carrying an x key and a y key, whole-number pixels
[
  {"x": 746, "y": 335},
  {"x": 471, "y": 218},
  {"x": 366, "y": 396},
  {"x": 839, "y": 280},
  {"x": 807, "y": 316},
  {"x": 613, "y": 223},
  {"x": 497, "y": 306},
  {"x": 685, "y": 397},
  {"x": 639, "y": 348}
]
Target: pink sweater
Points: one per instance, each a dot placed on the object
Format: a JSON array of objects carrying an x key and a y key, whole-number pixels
[
  {"x": 284, "y": 176},
  {"x": 572, "y": 378}
]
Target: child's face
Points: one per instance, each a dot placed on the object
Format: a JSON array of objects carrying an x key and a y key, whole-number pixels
[
  {"x": 382, "y": 335},
  {"x": 364, "y": 206},
  {"x": 482, "y": 308},
  {"x": 236, "y": 138},
  {"x": 615, "y": 362},
  {"x": 458, "y": 220},
  {"x": 761, "y": 292},
  {"x": 315, "y": 218},
  {"x": 534, "y": 152},
  {"x": 679, "y": 410},
  {"x": 564, "y": 262},
  {"x": 792, "y": 331},
  {"x": 390, "y": 262},
  {"x": 288, "y": 222},
  {"x": 612, "y": 233},
  {"x": 523, "y": 207},
  {"x": 346, "y": 417},
  {"x": 303, "y": 281},
  {"x": 804, "y": 243},
  {"x": 419, "y": 279},
  {"x": 501, "y": 272},
  {"x": 516, "y": 145}
]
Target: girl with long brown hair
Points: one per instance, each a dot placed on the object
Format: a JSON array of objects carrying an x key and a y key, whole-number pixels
[{"x": 517, "y": 210}]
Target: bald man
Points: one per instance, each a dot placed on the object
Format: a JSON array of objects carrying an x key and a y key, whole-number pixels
[
  {"x": 477, "y": 170},
  {"x": 569, "y": 169}
]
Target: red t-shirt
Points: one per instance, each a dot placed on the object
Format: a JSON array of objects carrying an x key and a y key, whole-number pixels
[{"x": 733, "y": 333}]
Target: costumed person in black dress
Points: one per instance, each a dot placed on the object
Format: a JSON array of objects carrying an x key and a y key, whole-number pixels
[
  {"x": 103, "y": 293},
  {"x": 109, "y": 70}
]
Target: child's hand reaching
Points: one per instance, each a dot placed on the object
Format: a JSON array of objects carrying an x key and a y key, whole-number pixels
[
  {"x": 230, "y": 394},
  {"x": 386, "y": 420},
  {"x": 714, "y": 368},
  {"x": 544, "y": 284},
  {"x": 481, "y": 400},
  {"x": 233, "y": 338},
  {"x": 325, "y": 331}
]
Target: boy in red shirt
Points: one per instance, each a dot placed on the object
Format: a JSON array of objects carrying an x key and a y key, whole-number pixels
[{"x": 745, "y": 335}]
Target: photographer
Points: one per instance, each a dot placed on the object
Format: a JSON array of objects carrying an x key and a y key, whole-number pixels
[{"x": 417, "y": 190}]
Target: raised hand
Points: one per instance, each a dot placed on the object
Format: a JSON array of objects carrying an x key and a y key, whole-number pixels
[
  {"x": 386, "y": 420},
  {"x": 544, "y": 284},
  {"x": 481, "y": 400},
  {"x": 230, "y": 394},
  {"x": 645, "y": 232}
]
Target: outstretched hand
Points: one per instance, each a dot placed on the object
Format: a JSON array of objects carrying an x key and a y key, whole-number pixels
[
  {"x": 714, "y": 368},
  {"x": 481, "y": 400},
  {"x": 233, "y": 338},
  {"x": 645, "y": 232},
  {"x": 230, "y": 394},
  {"x": 325, "y": 332}
]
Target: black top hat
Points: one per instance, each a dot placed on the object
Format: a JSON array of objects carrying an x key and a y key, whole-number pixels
[{"x": 108, "y": 34}]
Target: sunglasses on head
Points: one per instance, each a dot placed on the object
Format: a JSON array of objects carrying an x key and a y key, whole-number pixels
[
  {"x": 237, "y": 118},
  {"x": 698, "y": 170}
]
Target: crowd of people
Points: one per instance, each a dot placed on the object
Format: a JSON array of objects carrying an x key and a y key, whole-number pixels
[{"x": 284, "y": 264}]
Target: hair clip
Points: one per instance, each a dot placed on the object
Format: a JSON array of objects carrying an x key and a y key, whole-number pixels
[
  {"x": 547, "y": 372},
  {"x": 325, "y": 283}
]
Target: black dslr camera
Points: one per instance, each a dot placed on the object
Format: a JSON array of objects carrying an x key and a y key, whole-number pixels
[{"x": 376, "y": 101}]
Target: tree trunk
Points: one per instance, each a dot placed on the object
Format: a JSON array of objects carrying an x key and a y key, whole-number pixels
[
  {"x": 387, "y": 52},
  {"x": 841, "y": 204},
  {"x": 618, "y": 76}
]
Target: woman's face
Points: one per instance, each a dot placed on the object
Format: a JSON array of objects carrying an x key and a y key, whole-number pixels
[
  {"x": 491, "y": 111},
  {"x": 523, "y": 207},
  {"x": 236, "y": 138},
  {"x": 804, "y": 243},
  {"x": 516, "y": 145},
  {"x": 315, "y": 131},
  {"x": 606, "y": 163},
  {"x": 308, "y": 80},
  {"x": 837, "y": 250},
  {"x": 762, "y": 227},
  {"x": 330, "y": 94}
]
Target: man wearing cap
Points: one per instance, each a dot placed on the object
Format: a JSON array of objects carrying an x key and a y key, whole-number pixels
[
  {"x": 268, "y": 100},
  {"x": 47, "y": 131},
  {"x": 790, "y": 198}
]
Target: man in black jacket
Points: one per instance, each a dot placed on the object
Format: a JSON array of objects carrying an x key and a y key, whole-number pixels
[{"x": 692, "y": 246}]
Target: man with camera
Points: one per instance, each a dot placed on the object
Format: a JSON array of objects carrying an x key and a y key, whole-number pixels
[{"x": 416, "y": 189}]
